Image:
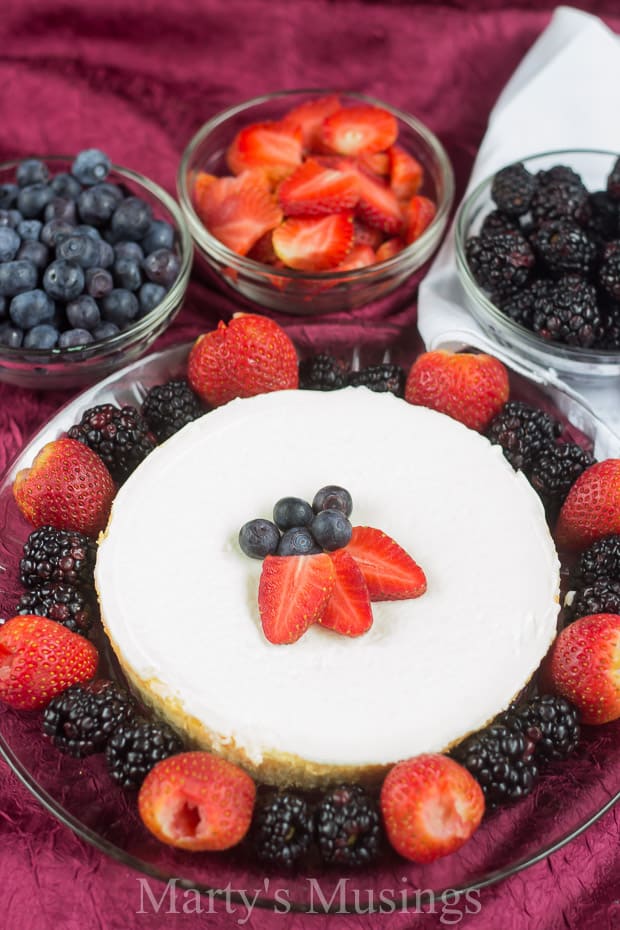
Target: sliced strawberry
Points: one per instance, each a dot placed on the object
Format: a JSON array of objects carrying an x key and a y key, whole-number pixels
[
  {"x": 262, "y": 250},
  {"x": 292, "y": 594},
  {"x": 359, "y": 128},
  {"x": 313, "y": 190},
  {"x": 309, "y": 117},
  {"x": 314, "y": 243},
  {"x": 389, "y": 571},
  {"x": 376, "y": 162},
  {"x": 275, "y": 147},
  {"x": 390, "y": 248},
  {"x": 419, "y": 213},
  {"x": 378, "y": 206},
  {"x": 360, "y": 256},
  {"x": 366, "y": 235},
  {"x": 202, "y": 181},
  {"x": 239, "y": 210},
  {"x": 406, "y": 173},
  {"x": 348, "y": 610}
]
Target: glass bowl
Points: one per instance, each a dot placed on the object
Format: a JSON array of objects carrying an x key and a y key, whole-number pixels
[
  {"x": 580, "y": 366},
  {"x": 299, "y": 292},
  {"x": 80, "y": 365}
]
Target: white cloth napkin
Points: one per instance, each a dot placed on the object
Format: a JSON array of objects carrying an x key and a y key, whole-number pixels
[{"x": 565, "y": 94}]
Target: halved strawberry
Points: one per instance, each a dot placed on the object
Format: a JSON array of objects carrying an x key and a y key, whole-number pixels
[
  {"x": 406, "y": 173},
  {"x": 359, "y": 128},
  {"x": 313, "y": 190},
  {"x": 314, "y": 243},
  {"x": 275, "y": 147},
  {"x": 377, "y": 204},
  {"x": 309, "y": 117},
  {"x": 390, "y": 248},
  {"x": 348, "y": 610},
  {"x": 376, "y": 162},
  {"x": 390, "y": 572},
  {"x": 360, "y": 256},
  {"x": 292, "y": 594},
  {"x": 262, "y": 250},
  {"x": 419, "y": 213},
  {"x": 366, "y": 235},
  {"x": 239, "y": 210}
]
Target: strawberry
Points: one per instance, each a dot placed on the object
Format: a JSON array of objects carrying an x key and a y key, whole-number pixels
[
  {"x": 348, "y": 610},
  {"x": 366, "y": 235},
  {"x": 314, "y": 243},
  {"x": 238, "y": 211},
  {"x": 67, "y": 487},
  {"x": 292, "y": 594},
  {"x": 375, "y": 162},
  {"x": 377, "y": 204},
  {"x": 431, "y": 806},
  {"x": 202, "y": 182},
  {"x": 468, "y": 387},
  {"x": 274, "y": 147},
  {"x": 312, "y": 190},
  {"x": 583, "y": 666},
  {"x": 389, "y": 572},
  {"x": 360, "y": 256},
  {"x": 252, "y": 355},
  {"x": 197, "y": 801},
  {"x": 419, "y": 213},
  {"x": 359, "y": 128},
  {"x": 262, "y": 250},
  {"x": 390, "y": 248},
  {"x": 309, "y": 117},
  {"x": 592, "y": 507},
  {"x": 39, "y": 658},
  {"x": 406, "y": 173}
]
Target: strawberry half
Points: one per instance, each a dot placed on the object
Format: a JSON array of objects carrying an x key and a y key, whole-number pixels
[
  {"x": 390, "y": 248},
  {"x": 313, "y": 190},
  {"x": 419, "y": 214},
  {"x": 378, "y": 205},
  {"x": 390, "y": 572},
  {"x": 592, "y": 507},
  {"x": 360, "y": 128},
  {"x": 292, "y": 594},
  {"x": 406, "y": 173},
  {"x": 314, "y": 243},
  {"x": 309, "y": 117},
  {"x": 274, "y": 147},
  {"x": 348, "y": 610},
  {"x": 238, "y": 211},
  {"x": 360, "y": 256}
]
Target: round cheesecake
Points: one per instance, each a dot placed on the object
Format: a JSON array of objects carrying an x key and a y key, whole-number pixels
[{"x": 179, "y": 598}]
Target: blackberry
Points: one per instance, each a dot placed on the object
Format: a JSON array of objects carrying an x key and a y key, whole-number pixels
[
  {"x": 564, "y": 247},
  {"x": 600, "y": 560},
  {"x": 500, "y": 261},
  {"x": 81, "y": 720},
  {"x": 613, "y": 181},
  {"x": 496, "y": 221},
  {"x": 64, "y": 603},
  {"x": 348, "y": 828},
  {"x": 553, "y": 473},
  {"x": 282, "y": 830},
  {"x": 560, "y": 193},
  {"x": 550, "y": 723},
  {"x": 522, "y": 432},
  {"x": 380, "y": 378},
  {"x": 601, "y": 597},
  {"x": 519, "y": 304},
  {"x": 568, "y": 313},
  {"x": 609, "y": 330},
  {"x": 609, "y": 271},
  {"x": 602, "y": 224},
  {"x": 168, "y": 407},
  {"x": 321, "y": 373},
  {"x": 512, "y": 189},
  {"x": 57, "y": 555},
  {"x": 120, "y": 437},
  {"x": 135, "y": 747},
  {"x": 501, "y": 759}
]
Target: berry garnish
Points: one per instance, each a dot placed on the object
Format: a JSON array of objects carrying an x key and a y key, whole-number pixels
[
  {"x": 331, "y": 529},
  {"x": 52, "y": 555},
  {"x": 120, "y": 436},
  {"x": 282, "y": 830},
  {"x": 333, "y": 497},
  {"x": 555, "y": 471},
  {"x": 600, "y": 560},
  {"x": 64, "y": 603},
  {"x": 321, "y": 373},
  {"x": 551, "y": 723},
  {"x": 298, "y": 540},
  {"x": 197, "y": 801},
  {"x": 259, "y": 538},
  {"x": 502, "y": 761},
  {"x": 81, "y": 720},
  {"x": 592, "y": 508},
  {"x": 523, "y": 432},
  {"x": 169, "y": 407},
  {"x": 292, "y": 594},
  {"x": 389, "y": 571},
  {"x": 292, "y": 511},
  {"x": 348, "y": 610},
  {"x": 135, "y": 747},
  {"x": 601, "y": 597},
  {"x": 380, "y": 378},
  {"x": 348, "y": 827}
]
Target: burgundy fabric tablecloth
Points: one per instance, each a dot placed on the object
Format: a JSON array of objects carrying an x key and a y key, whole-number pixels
[{"x": 138, "y": 78}]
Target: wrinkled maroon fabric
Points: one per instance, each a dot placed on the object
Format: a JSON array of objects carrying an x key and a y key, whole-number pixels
[{"x": 138, "y": 79}]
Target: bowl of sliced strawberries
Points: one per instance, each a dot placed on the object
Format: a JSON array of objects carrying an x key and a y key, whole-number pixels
[{"x": 312, "y": 202}]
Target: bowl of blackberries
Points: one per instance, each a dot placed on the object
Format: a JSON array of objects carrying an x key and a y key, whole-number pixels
[
  {"x": 538, "y": 254},
  {"x": 94, "y": 263}
]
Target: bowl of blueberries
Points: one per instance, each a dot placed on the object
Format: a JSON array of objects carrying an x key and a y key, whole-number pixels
[
  {"x": 538, "y": 255},
  {"x": 94, "y": 264}
]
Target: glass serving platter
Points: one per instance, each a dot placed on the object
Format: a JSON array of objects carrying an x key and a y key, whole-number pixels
[{"x": 568, "y": 799}]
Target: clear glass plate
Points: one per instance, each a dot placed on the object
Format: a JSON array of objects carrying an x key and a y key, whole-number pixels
[{"x": 569, "y": 797}]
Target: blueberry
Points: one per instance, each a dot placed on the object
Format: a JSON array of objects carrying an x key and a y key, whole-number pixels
[
  {"x": 162, "y": 267},
  {"x": 10, "y": 335},
  {"x": 9, "y": 243},
  {"x": 259, "y": 538},
  {"x": 32, "y": 200},
  {"x": 106, "y": 331},
  {"x": 298, "y": 541},
  {"x": 16, "y": 277},
  {"x": 54, "y": 231},
  {"x": 127, "y": 273},
  {"x": 82, "y": 250},
  {"x": 65, "y": 185},
  {"x": 87, "y": 229},
  {"x": 30, "y": 229},
  {"x": 159, "y": 236},
  {"x": 120, "y": 306},
  {"x": 131, "y": 219},
  {"x": 99, "y": 282},
  {"x": 106, "y": 254},
  {"x": 292, "y": 511},
  {"x": 31, "y": 308},
  {"x": 44, "y": 336},
  {"x": 60, "y": 208},
  {"x": 129, "y": 250},
  {"x": 31, "y": 171},
  {"x": 10, "y": 218},
  {"x": 91, "y": 166},
  {"x": 35, "y": 252},
  {"x": 3, "y": 306},
  {"x": 63, "y": 279},
  {"x": 333, "y": 497},
  {"x": 74, "y": 337},
  {"x": 8, "y": 196},
  {"x": 97, "y": 204},
  {"x": 83, "y": 312},
  {"x": 331, "y": 529},
  {"x": 150, "y": 295}
]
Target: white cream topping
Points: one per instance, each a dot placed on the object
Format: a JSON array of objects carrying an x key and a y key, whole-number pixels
[{"x": 180, "y": 598}]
